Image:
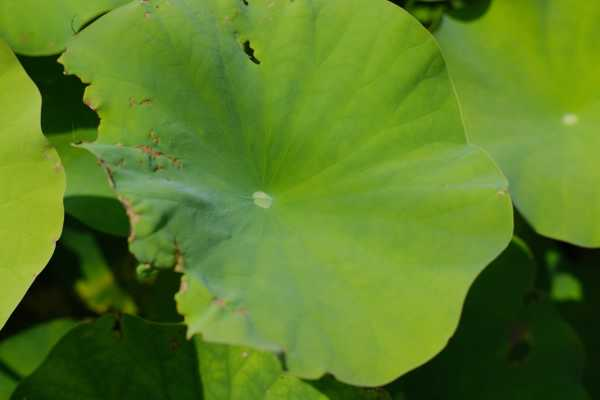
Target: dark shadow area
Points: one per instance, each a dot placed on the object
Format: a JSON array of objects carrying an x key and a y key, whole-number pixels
[
  {"x": 431, "y": 13},
  {"x": 62, "y": 106},
  {"x": 50, "y": 297}
]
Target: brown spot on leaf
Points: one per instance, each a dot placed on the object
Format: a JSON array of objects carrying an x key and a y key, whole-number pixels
[
  {"x": 184, "y": 286},
  {"x": 176, "y": 163},
  {"x": 89, "y": 104},
  {"x": 154, "y": 154},
  {"x": 109, "y": 173},
  {"x": 134, "y": 217},
  {"x": 219, "y": 302},
  {"x": 154, "y": 137},
  {"x": 149, "y": 151},
  {"x": 146, "y": 101},
  {"x": 179, "y": 260}
]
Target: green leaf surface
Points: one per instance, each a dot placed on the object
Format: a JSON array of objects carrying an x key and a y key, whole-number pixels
[
  {"x": 66, "y": 121},
  {"x": 510, "y": 344},
  {"x": 97, "y": 286},
  {"x": 32, "y": 184},
  {"x": 7, "y": 386},
  {"x": 530, "y": 96},
  {"x": 566, "y": 287},
  {"x": 130, "y": 358},
  {"x": 36, "y": 28},
  {"x": 305, "y": 164},
  {"x": 240, "y": 373}
]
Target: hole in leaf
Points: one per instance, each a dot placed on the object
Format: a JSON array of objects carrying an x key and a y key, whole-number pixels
[
  {"x": 520, "y": 346},
  {"x": 250, "y": 52},
  {"x": 118, "y": 327},
  {"x": 283, "y": 361},
  {"x": 533, "y": 297},
  {"x": 519, "y": 352}
]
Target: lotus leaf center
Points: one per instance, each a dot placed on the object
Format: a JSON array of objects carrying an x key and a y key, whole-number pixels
[
  {"x": 570, "y": 119},
  {"x": 263, "y": 200}
]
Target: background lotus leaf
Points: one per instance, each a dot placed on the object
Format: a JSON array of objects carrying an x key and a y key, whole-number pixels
[
  {"x": 527, "y": 77},
  {"x": 130, "y": 358},
  {"x": 511, "y": 343},
  {"x": 22, "y": 353},
  {"x": 32, "y": 181},
  {"x": 241, "y": 373},
  {"x": 97, "y": 286},
  {"x": 305, "y": 164}
]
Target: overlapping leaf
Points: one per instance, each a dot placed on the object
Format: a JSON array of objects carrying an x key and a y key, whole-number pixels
[
  {"x": 239, "y": 373},
  {"x": 32, "y": 184},
  {"x": 66, "y": 121},
  {"x": 305, "y": 163},
  {"x": 36, "y": 28},
  {"x": 526, "y": 74}
]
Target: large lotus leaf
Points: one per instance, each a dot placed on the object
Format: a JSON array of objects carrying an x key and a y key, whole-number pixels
[
  {"x": 36, "y": 28},
  {"x": 526, "y": 74},
  {"x": 510, "y": 344},
  {"x": 32, "y": 184},
  {"x": 134, "y": 359},
  {"x": 305, "y": 163},
  {"x": 65, "y": 122}
]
